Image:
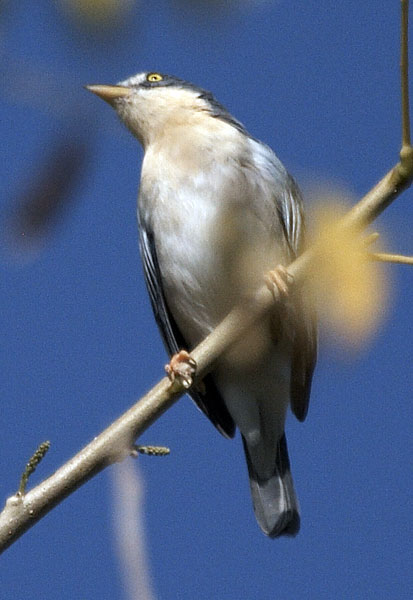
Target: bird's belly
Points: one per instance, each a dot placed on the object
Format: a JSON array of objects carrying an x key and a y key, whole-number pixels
[
  {"x": 187, "y": 245},
  {"x": 210, "y": 253}
]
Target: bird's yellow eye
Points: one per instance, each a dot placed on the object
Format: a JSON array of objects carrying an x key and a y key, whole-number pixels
[{"x": 154, "y": 77}]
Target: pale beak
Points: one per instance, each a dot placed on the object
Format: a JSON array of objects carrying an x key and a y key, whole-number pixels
[{"x": 109, "y": 93}]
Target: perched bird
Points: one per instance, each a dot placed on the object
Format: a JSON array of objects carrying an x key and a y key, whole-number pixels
[{"x": 216, "y": 211}]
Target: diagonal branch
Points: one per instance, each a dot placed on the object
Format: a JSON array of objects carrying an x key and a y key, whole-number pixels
[{"x": 113, "y": 444}]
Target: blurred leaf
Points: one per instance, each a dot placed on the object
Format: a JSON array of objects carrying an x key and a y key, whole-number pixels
[
  {"x": 350, "y": 290},
  {"x": 48, "y": 192},
  {"x": 101, "y": 14}
]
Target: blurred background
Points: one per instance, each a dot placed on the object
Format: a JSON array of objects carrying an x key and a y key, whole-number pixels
[{"x": 317, "y": 81}]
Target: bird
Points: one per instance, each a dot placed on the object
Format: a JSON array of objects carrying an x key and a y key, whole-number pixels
[{"x": 217, "y": 210}]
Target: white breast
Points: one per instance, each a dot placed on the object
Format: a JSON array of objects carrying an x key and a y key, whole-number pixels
[{"x": 214, "y": 223}]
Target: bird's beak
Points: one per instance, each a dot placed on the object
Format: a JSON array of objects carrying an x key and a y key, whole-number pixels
[{"x": 109, "y": 93}]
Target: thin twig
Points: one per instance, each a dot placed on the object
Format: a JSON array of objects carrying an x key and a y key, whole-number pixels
[
  {"x": 370, "y": 239},
  {"x": 392, "y": 258},
  {"x": 404, "y": 72},
  {"x": 406, "y": 152}
]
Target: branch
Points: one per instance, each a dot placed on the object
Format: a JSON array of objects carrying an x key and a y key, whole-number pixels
[
  {"x": 116, "y": 442},
  {"x": 404, "y": 72}
]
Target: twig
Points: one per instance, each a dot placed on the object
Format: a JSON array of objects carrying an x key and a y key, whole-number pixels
[
  {"x": 370, "y": 239},
  {"x": 392, "y": 258},
  {"x": 150, "y": 450},
  {"x": 404, "y": 72},
  {"x": 31, "y": 465},
  {"x": 406, "y": 152}
]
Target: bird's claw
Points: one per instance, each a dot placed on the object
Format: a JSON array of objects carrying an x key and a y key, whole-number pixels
[
  {"x": 280, "y": 280},
  {"x": 181, "y": 366}
]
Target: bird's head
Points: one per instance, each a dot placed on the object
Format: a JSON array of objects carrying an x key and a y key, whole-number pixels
[{"x": 150, "y": 102}]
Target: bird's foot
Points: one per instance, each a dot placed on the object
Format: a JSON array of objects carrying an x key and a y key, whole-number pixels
[
  {"x": 183, "y": 367},
  {"x": 279, "y": 281}
]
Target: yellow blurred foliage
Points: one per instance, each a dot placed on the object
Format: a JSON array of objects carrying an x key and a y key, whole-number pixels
[
  {"x": 98, "y": 12},
  {"x": 349, "y": 289}
]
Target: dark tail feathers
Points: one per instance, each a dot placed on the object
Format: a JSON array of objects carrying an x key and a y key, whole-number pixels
[{"x": 274, "y": 500}]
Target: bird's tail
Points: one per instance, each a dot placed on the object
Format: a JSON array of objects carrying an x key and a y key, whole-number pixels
[{"x": 274, "y": 499}]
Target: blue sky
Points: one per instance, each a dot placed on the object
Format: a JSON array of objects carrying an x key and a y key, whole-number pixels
[{"x": 318, "y": 82}]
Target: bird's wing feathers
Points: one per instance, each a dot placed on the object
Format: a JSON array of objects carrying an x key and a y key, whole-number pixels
[
  {"x": 292, "y": 216},
  {"x": 170, "y": 333},
  {"x": 288, "y": 202},
  {"x": 303, "y": 359},
  {"x": 208, "y": 398},
  {"x": 290, "y": 212}
]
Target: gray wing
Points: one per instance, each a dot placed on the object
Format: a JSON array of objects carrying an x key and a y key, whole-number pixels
[
  {"x": 209, "y": 399},
  {"x": 290, "y": 211}
]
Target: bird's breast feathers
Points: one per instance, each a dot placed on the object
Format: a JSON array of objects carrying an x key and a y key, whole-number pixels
[{"x": 215, "y": 225}]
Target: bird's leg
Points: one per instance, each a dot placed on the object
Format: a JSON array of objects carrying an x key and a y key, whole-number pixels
[
  {"x": 280, "y": 279},
  {"x": 181, "y": 366}
]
